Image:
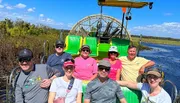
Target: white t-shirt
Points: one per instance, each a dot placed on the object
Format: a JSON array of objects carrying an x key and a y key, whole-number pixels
[
  {"x": 60, "y": 87},
  {"x": 162, "y": 97}
]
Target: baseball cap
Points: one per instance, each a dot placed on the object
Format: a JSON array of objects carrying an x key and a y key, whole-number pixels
[
  {"x": 155, "y": 71},
  {"x": 25, "y": 54},
  {"x": 68, "y": 63},
  {"x": 104, "y": 63},
  {"x": 113, "y": 49},
  {"x": 59, "y": 42},
  {"x": 85, "y": 46}
]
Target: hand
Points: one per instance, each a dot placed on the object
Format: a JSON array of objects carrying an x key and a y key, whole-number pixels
[
  {"x": 45, "y": 83},
  {"x": 141, "y": 70}
]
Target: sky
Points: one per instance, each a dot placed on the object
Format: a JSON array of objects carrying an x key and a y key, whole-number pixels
[{"x": 163, "y": 20}]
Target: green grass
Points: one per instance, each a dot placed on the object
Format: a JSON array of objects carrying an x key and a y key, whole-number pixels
[{"x": 158, "y": 40}]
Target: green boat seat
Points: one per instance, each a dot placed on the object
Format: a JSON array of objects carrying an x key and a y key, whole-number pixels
[
  {"x": 122, "y": 45},
  {"x": 131, "y": 96},
  {"x": 73, "y": 44},
  {"x": 103, "y": 49},
  {"x": 92, "y": 42}
]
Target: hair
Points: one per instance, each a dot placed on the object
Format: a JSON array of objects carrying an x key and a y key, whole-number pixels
[
  {"x": 72, "y": 60},
  {"x": 131, "y": 46}
]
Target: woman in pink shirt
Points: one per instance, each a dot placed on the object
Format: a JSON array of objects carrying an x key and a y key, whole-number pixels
[
  {"x": 85, "y": 66},
  {"x": 116, "y": 65}
]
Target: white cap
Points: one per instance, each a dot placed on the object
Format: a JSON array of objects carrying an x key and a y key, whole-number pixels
[{"x": 113, "y": 49}]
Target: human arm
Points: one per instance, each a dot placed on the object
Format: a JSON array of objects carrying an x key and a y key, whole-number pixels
[
  {"x": 52, "y": 91},
  {"x": 87, "y": 94},
  {"x": 128, "y": 84},
  {"x": 51, "y": 97},
  {"x": 18, "y": 94},
  {"x": 93, "y": 77},
  {"x": 120, "y": 95},
  {"x": 148, "y": 64},
  {"x": 118, "y": 74},
  {"x": 123, "y": 100},
  {"x": 94, "y": 70},
  {"x": 79, "y": 95},
  {"x": 52, "y": 73}
]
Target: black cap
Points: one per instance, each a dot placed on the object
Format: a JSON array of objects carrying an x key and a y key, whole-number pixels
[
  {"x": 25, "y": 53},
  {"x": 59, "y": 42}
]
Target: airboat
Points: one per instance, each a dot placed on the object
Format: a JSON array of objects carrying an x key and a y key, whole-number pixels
[{"x": 100, "y": 32}]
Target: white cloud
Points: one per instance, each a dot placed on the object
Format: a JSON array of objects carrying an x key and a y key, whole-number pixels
[
  {"x": 166, "y": 29},
  {"x": 31, "y": 9},
  {"x": 9, "y": 7},
  {"x": 1, "y": 6},
  {"x": 41, "y": 15},
  {"x": 20, "y": 5},
  {"x": 70, "y": 25}
]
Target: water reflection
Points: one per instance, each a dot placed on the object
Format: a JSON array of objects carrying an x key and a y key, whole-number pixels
[{"x": 168, "y": 57}]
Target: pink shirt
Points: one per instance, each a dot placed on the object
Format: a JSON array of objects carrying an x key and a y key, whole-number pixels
[
  {"x": 85, "y": 68},
  {"x": 114, "y": 68}
]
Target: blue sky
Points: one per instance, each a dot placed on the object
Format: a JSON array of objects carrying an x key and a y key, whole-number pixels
[{"x": 163, "y": 20}]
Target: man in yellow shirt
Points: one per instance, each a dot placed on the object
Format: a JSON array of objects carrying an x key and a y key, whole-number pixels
[{"x": 133, "y": 66}]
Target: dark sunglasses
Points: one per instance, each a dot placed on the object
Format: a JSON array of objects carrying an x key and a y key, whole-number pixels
[
  {"x": 69, "y": 67},
  {"x": 86, "y": 50},
  {"x": 59, "y": 46},
  {"x": 24, "y": 60},
  {"x": 112, "y": 52},
  {"x": 152, "y": 77},
  {"x": 107, "y": 69}
]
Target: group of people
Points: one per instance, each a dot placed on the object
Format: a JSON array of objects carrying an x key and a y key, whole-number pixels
[{"x": 60, "y": 79}]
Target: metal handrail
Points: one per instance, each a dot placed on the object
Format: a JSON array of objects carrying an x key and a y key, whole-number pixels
[
  {"x": 174, "y": 87},
  {"x": 45, "y": 51}
]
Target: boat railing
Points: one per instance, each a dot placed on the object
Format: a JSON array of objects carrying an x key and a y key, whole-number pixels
[
  {"x": 43, "y": 57},
  {"x": 173, "y": 93}
]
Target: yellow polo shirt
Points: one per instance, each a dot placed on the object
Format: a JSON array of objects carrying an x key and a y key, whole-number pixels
[{"x": 130, "y": 69}]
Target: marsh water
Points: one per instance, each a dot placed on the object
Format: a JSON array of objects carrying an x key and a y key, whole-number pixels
[{"x": 168, "y": 58}]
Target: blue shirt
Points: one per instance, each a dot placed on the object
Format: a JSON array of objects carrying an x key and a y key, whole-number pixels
[{"x": 57, "y": 61}]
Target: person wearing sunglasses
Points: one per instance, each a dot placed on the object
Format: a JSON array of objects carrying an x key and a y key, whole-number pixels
[
  {"x": 152, "y": 92},
  {"x": 33, "y": 81},
  {"x": 56, "y": 60},
  {"x": 85, "y": 66},
  {"x": 133, "y": 66},
  {"x": 102, "y": 89},
  {"x": 116, "y": 64},
  {"x": 67, "y": 86}
]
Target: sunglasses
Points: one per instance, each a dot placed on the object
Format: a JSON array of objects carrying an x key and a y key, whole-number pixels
[
  {"x": 107, "y": 69},
  {"x": 59, "y": 46},
  {"x": 152, "y": 77},
  {"x": 24, "y": 60},
  {"x": 86, "y": 50},
  {"x": 112, "y": 52},
  {"x": 69, "y": 67}
]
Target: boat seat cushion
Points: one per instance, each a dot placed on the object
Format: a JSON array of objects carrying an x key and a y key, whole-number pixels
[
  {"x": 73, "y": 44},
  {"x": 92, "y": 42},
  {"x": 122, "y": 45}
]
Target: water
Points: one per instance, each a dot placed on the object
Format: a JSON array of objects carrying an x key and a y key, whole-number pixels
[{"x": 168, "y": 57}]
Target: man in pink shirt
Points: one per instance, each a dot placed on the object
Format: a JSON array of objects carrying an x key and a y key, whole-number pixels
[{"x": 85, "y": 66}]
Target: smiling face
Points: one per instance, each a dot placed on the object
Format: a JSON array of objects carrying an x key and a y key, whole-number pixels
[
  {"x": 59, "y": 49},
  {"x": 103, "y": 71},
  {"x": 26, "y": 64},
  {"x": 153, "y": 80},
  {"x": 69, "y": 70},
  {"x": 113, "y": 55},
  {"x": 85, "y": 52},
  {"x": 131, "y": 53}
]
